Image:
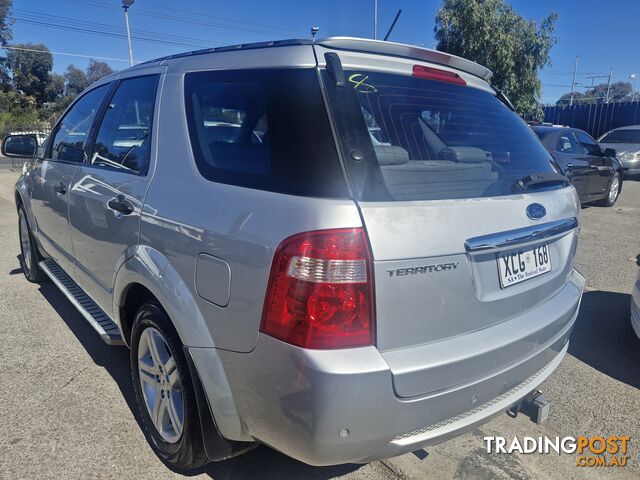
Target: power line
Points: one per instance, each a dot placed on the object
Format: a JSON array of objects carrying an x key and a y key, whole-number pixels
[
  {"x": 95, "y": 57},
  {"x": 108, "y": 34},
  {"x": 186, "y": 19},
  {"x": 67, "y": 21}
]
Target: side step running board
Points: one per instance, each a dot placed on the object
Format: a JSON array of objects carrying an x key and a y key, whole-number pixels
[{"x": 100, "y": 321}]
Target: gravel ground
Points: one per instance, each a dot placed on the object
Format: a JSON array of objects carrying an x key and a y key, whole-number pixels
[{"x": 69, "y": 408}]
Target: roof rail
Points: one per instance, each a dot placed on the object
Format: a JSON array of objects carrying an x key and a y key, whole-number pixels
[{"x": 358, "y": 45}]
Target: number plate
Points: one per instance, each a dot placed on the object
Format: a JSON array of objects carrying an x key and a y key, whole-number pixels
[{"x": 518, "y": 266}]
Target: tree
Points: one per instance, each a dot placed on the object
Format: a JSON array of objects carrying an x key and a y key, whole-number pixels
[
  {"x": 30, "y": 69},
  {"x": 5, "y": 21},
  {"x": 5, "y": 35},
  {"x": 96, "y": 70},
  {"x": 17, "y": 112},
  {"x": 76, "y": 80},
  {"x": 491, "y": 33},
  {"x": 618, "y": 92},
  {"x": 55, "y": 87}
]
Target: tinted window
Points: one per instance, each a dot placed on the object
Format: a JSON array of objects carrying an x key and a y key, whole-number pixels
[
  {"x": 71, "y": 136},
  {"x": 622, "y": 136},
  {"x": 567, "y": 144},
  {"x": 124, "y": 136},
  {"x": 424, "y": 139},
  {"x": 589, "y": 144},
  {"x": 264, "y": 129}
]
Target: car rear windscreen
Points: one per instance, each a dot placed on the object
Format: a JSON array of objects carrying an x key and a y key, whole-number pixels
[
  {"x": 427, "y": 139},
  {"x": 622, "y": 136}
]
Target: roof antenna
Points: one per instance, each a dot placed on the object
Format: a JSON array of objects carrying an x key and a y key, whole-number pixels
[
  {"x": 393, "y": 25},
  {"x": 314, "y": 31}
]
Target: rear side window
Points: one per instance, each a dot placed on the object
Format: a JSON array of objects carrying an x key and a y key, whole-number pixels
[
  {"x": 264, "y": 129},
  {"x": 71, "y": 136},
  {"x": 124, "y": 137},
  {"x": 567, "y": 144},
  {"x": 622, "y": 136},
  {"x": 429, "y": 140}
]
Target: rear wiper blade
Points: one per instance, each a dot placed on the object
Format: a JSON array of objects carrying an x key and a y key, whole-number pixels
[{"x": 540, "y": 179}]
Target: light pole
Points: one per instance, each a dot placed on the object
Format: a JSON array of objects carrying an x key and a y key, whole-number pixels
[
  {"x": 375, "y": 19},
  {"x": 126, "y": 4},
  {"x": 633, "y": 77}
]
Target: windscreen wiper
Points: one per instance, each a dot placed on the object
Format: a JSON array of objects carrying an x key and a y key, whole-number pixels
[{"x": 541, "y": 179}]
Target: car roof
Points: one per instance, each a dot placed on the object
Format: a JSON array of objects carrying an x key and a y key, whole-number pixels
[
  {"x": 348, "y": 44},
  {"x": 626, "y": 127}
]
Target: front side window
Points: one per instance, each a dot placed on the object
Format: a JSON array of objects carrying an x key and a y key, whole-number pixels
[
  {"x": 567, "y": 144},
  {"x": 589, "y": 144},
  {"x": 124, "y": 137},
  {"x": 71, "y": 136},
  {"x": 429, "y": 140},
  {"x": 263, "y": 129}
]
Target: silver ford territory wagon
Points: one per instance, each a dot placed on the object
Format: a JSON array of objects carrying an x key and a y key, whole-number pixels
[{"x": 346, "y": 249}]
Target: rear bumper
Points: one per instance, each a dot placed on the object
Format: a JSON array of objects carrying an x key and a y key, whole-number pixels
[{"x": 332, "y": 407}]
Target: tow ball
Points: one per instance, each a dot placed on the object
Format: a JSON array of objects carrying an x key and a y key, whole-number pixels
[{"x": 535, "y": 406}]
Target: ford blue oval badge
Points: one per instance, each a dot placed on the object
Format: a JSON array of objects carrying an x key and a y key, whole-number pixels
[{"x": 535, "y": 211}]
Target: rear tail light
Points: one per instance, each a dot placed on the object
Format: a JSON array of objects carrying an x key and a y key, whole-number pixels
[
  {"x": 430, "y": 73},
  {"x": 320, "y": 291}
]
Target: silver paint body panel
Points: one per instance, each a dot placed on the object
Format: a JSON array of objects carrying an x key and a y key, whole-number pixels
[{"x": 447, "y": 343}]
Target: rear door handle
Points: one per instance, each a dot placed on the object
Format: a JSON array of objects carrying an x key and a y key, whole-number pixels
[
  {"x": 120, "y": 205},
  {"x": 60, "y": 188}
]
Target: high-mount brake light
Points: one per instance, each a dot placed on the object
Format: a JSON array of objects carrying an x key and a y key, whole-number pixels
[
  {"x": 430, "y": 73},
  {"x": 320, "y": 292}
]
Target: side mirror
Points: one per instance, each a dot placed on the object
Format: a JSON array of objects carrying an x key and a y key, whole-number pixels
[
  {"x": 24, "y": 146},
  {"x": 609, "y": 152}
]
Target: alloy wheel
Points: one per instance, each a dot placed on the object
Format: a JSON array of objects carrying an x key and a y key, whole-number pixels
[
  {"x": 613, "y": 190},
  {"x": 161, "y": 385}
]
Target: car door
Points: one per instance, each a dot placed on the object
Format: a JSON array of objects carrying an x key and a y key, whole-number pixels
[
  {"x": 108, "y": 190},
  {"x": 600, "y": 172},
  {"x": 53, "y": 174},
  {"x": 569, "y": 155}
]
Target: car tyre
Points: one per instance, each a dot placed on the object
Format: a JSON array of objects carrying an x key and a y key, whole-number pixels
[
  {"x": 174, "y": 432},
  {"x": 613, "y": 193},
  {"x": 30, "y": 256}
]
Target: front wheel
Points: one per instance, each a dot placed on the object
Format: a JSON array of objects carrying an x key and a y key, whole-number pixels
[
  {"x": 613, "y": 193},
  {"x": 164, "y": 390},
  {"x": 30, "y": 255}
]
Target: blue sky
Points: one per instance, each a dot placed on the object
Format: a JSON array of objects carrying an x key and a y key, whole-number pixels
[{"x": 603, "y": 34}]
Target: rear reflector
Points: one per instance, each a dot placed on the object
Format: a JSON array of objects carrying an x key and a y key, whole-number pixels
[
  {"x": 320, "y": 291},
  {"x": 420, "y": 71}
]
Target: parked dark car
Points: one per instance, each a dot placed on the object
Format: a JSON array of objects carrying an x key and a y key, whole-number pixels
[{"x": 594, "y": 171}]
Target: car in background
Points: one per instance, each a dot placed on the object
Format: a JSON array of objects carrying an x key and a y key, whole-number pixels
[
  {"x": 626, "y": 142},
  {"x": 594, "y": 172}
]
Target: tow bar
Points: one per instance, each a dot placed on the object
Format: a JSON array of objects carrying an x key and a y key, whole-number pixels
[{"x": 535, "y": 406}]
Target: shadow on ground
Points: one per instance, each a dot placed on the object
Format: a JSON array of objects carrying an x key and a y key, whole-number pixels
[
  {"x": 263, "y": 462},
  {"x": 603, "y": 337}
]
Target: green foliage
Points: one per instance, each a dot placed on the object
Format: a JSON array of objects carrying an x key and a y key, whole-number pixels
[
  {"x": 17, "y": 112},
  {"x": 5, "y": 21},
  {"x": 618, "y": 92},
  {"x": 97, "y": 70},
  {"x": 76, "y": 80},
  {"x": 30, "y": 70},
  {"x": 492, "y": 34}
]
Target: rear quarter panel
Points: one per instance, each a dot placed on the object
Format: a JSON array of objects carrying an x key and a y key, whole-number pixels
[{"x": 186, "y": 215}]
